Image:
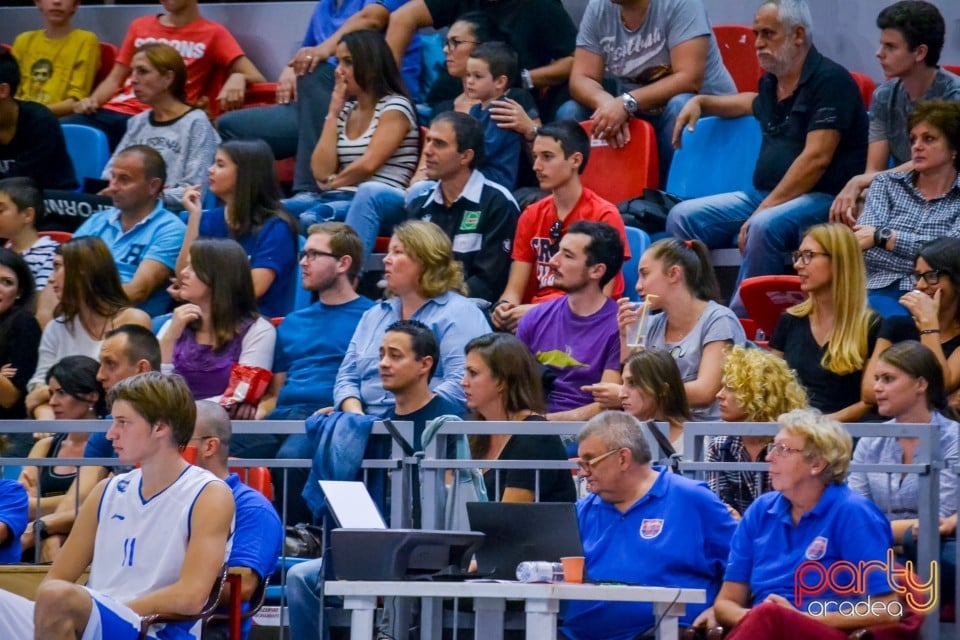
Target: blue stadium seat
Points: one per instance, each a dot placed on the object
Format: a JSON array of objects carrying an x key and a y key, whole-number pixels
[
  {"x": 88, "y": 150},
  {"x": 718, "y": 156},
  {"x": 639, "y": 241}
]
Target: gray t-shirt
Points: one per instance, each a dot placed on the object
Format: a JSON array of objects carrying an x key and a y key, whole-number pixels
[
  {"x": 668, "y": 23},
  {"x": 891, "y": 108},
  {"x": 716, "y": 323}
]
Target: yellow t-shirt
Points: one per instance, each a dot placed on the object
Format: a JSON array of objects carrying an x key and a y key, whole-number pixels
[{"x": 53, "y": 70}]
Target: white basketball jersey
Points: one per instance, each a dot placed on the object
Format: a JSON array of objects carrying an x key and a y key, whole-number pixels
[{"x": 141, "y": 544}]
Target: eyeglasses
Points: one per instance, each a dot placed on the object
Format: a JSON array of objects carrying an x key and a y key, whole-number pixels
[
  {"x": 806, "y": 257},
  {"x": 589, "y": 465},
  {"x": 453, "y": 43},
  {"x": 555, "y": 230},
  {"x": 312, "y": 254},
  {"x": 778, "y": 449},
  {"x": 930, "y": 277}
]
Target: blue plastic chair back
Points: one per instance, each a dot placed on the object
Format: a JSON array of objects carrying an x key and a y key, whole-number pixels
[
  {"x": 719, "y": 156},
  {"x": 639, "y": 241},
  {"x": 88, "y": 149}
]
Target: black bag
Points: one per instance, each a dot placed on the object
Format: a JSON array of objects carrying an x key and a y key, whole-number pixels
[
  {"x": 303, "y": 541},
  {"x": 648, "y": 211}
]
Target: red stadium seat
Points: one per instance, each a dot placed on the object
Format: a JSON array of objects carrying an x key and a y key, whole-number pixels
[
  {"x": 260, "y": 94},
  {"x": 766, "y": 298},
  {"x": 108, "y": 55},
  {"x": 867, "y": 85},
  {"x": 276, "y": 321},
  {"x": 256, "y": 478},
  {"x": 620, "y": 174},
  {"x": 736, "y": 42},
  {"x": 952, "y": 68},
  {"x": 58, "y": 236}
]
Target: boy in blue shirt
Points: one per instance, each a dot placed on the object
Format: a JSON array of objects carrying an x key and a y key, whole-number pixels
[{"x": 490, "y": 72}]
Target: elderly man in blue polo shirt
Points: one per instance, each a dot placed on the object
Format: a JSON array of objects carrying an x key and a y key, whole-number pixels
[
  {"x": 642, "y": 524},
  {"x": 143, "y": 237}
]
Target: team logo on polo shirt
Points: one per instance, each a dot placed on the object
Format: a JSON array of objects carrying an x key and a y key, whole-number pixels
[
  {"x": 470, "y": 221},
  {"x": 817, "y": 548},
  {"x": 650, "y": 528}
]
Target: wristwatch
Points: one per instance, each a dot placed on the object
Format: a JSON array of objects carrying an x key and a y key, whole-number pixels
[
  {"x": 527, "y": 79},
  {"x": 40, "y": 529},
  {"x": 630, "y": 104},
  {"x": 881, "y": 237}
]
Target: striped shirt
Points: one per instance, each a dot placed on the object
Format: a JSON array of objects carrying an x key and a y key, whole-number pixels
[
  {"x": 39, "y": 258},
  {"x": 894, "y": 202},
  {"x": 737, "y": 489},
  {"x": 399, "y": 168}
]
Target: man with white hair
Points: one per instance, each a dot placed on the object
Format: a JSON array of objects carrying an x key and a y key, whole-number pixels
[{"x": 814, "y": 129}]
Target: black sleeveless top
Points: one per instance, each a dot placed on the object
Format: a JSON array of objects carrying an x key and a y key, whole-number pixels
[{"x": 51, "y": 483}]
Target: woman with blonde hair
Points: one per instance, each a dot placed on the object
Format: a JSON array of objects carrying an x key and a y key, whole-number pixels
[
  {"x": 181, "y": 133},
  {"x": 758, "y": 386},
  {"x": 827, "y": 339},
  {"x": 424, "y": 283}
]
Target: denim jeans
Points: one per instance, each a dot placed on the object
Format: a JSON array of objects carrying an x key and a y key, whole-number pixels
[
  {"x": 663, "y": 125},
  {"x": 886, "y": 301},
  {"x": 303, "y": 598},
  {"x": 716, "y": 221},
  {"x": 311, "y": 207},
  {"x": 374, "y": 211}
]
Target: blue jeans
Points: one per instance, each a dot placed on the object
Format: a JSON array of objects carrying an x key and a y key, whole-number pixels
[
  {"x": 663, "y": 125},
  {"x": 303, "y": 598},
  {"x": 375, "y": 210},
  {"x": 312, "y": 207},
  {"x": 886, "y": 301},
  {"x": 716, "y": 221}
]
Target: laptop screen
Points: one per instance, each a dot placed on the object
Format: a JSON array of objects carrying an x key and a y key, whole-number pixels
[{"x": 351, "y": 505}]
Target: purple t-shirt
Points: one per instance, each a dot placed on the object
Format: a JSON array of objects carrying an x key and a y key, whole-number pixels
[
  {"x": 578, "y": 349},
  {"x": 207, "y": 372}
]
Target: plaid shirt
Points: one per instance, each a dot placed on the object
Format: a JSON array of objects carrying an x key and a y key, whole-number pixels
[
  {"x": 737, "y": 489},
  {"x": 894, "y": 202}
]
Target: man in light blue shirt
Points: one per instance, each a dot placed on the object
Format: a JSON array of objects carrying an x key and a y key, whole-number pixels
[{"x": 143, "y": 237}]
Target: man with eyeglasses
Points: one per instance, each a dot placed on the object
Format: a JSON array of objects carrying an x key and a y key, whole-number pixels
[
  {"x": 814, "y": 139},
  {"x": 642, "y": 524},
  {"x": 311, "y": 343}
]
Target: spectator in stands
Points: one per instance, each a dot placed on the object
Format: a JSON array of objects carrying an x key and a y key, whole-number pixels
[
  {"x": 180, "y": 516},
  {"x": 293, "y": 125},
  {"x": 75, "y": 394},
  {"x": 757, "y": 387},
  {"x": 257, "y": 534},
  {"x": 676, "y": 529},
  {"x": 144, "y": 238},
  {"x": 906, "y": 209},
  {"x": 370, "y": 132},
  {"x": 218, "y": 325},
  {"x": 92, "y": 302},
  {"x": 909, "y": 389},
  {"x": 502, "y": 384},
  {"x": 676, "y": 278},
  {"x": 424, "y": 283},
  {"x": 181, "y": 134},
  {"x": 827, "y": 338},
  {"x": 409, "y": 355},
  {"x": 545, "y": 63},
  {"x": 652, "y": 389},
  {"x": 209, "y": 51},
  {"x": 814, "y": 139},
  {"x": 478, "y": 214},
  {"x": 243, "y": 177},
  {"x": 643, "y": 59},
  {"x": 809, "y": 459},
  {"x": 19, "y": 343},
  {"x": 126, "y": 351},
  {"x": 62, "y": 61},
  {"x": 560, "y": 154},
  {"x": 934, "y": 319},
  {"x": 21, "y": 212},
  {"x": 13, "y": 515},
  {"x": 575, "y": 336},
  {"x": 911, "y": 39},
  {"x": 31, "y": 141}
]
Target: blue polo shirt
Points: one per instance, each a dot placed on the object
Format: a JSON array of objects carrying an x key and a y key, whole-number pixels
[
  {"x": 13, "y": 513},
  {"x": 157, "y": 237},
  {"x": 677, "y": 535},
  {"x": 768, "y": 547}
]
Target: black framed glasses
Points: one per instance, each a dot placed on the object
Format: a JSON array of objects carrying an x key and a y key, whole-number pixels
[
  {"x": 807, "y": 256},
  {"x": 313, "y": 254},
  {"x": 453, "y": 43},
  {"x": 930, "y": 277}
]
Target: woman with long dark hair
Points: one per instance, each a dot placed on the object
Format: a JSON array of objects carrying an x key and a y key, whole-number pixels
[
  {"x": 652, "y": 390},
  {"x": 19, "y": 341},
  {"x": 243, "y": 177}
]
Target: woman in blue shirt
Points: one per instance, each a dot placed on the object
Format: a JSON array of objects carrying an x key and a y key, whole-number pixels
[{"x": 243, "y": 177}]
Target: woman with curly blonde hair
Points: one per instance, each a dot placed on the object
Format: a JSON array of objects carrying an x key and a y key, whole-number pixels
[
  {"x": 757, "y": 387},
  {"x": 827, "y": 339}
]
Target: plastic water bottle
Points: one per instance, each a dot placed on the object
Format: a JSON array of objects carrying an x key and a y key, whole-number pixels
[{"x": 540, "y": 572}]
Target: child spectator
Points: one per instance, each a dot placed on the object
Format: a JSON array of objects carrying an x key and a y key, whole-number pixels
[
  {"x": 58, "y": 63},
  {"x": 21, "y": 211},
  {"x": 490, "y": 72}
]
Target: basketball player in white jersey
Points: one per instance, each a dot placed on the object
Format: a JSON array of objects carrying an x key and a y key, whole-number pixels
[{"x": 154, "y": 538}]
